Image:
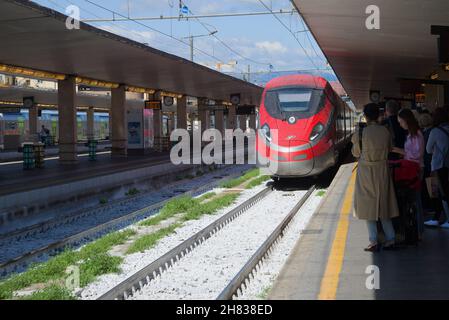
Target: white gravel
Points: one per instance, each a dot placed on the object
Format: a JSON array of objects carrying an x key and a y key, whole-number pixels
[
  {"x": 137, "y": 261},
  {"x": 264, "y": 279},
  {"x": 204, "y": 273}
]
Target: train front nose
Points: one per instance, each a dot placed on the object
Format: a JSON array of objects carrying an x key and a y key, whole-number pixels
[{"x": 297, "y": 160}]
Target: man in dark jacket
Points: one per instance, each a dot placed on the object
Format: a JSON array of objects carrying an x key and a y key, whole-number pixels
[{"x": 398, "y": 134}]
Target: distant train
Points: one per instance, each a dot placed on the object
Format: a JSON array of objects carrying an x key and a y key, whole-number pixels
[
  {"x": 16, "y": 124},
  {"x": 313, "y": 126}
]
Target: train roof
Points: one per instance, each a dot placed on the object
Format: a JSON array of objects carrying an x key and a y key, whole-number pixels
[{"x": 305, "y": 80}]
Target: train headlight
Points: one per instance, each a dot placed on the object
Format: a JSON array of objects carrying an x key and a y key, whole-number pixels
[
  {"x": 266, "y": 131},
  {"x": 317, "y": 130}
]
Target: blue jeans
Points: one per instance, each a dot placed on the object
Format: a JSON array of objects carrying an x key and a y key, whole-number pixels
[{"x": 387, "y": 225}]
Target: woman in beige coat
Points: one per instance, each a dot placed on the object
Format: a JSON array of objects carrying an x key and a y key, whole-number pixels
[{"x": 374, "y": 196}]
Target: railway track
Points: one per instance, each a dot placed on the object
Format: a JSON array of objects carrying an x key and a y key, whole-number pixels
[
  {"x": 17, "y": 235},
  {"x": 135, "y": 283},
  {"x": 243, "y": 277},
  {"x": 94, "y": 232}
]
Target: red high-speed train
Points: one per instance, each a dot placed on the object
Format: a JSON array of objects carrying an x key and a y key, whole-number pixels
[{"x": 313, "y": 125}]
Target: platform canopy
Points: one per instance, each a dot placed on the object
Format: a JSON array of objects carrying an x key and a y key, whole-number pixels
[
  {"x": 364, "y": 60},
  {"x": 36, "y": 37}
]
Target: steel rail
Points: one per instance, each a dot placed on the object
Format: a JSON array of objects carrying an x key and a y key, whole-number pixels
[
  {"x": 244, "y": 274},
  {"x": 135, "y": 282},
  {"x": 103, "y": 228},
  {"x": 73, "y": 216}
]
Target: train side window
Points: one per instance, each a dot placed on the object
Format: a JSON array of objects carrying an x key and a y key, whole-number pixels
[{"x": 271, "y": 103}]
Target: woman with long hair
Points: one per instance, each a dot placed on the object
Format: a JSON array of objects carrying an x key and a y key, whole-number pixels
[{"x": 414, "y": 148}]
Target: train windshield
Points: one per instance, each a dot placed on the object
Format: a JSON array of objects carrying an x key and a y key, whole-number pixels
[
  {"x": 299, "y": 102},
  {"x": 291, "y": 100}
]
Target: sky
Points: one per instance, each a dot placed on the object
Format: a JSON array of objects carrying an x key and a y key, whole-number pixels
[{"x": 256, "y": 41}]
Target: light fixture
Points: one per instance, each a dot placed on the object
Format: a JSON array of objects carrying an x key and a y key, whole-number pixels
[
  {"x": 31, "y": 72},
  {"x": 11, "y": 103},
  {"x": 96, "y": 83},
  {"x": 140, "y": 90},
  {"x": 446, "y": 67},
  {"x": 434, "y": 75},
  {"x": 170, "y": 94}
]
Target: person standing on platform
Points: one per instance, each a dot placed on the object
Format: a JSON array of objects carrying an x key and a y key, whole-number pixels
[
  {"x": 413, "y": 151},
  {"x": 374, "y": 196},
  {"x": 426, "y": 124},
  {"x": 438, "y": 146},
  {"x": 398, "y": 134},
  {"x": 43, "y": 134}
]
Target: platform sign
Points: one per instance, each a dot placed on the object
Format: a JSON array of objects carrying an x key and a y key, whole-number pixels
[
  {"x": 135, "y": 128},
  {"x": 183, "y": 9},
  {"x": 153, "y": 105},
  {"x": 9, "y": 110}
]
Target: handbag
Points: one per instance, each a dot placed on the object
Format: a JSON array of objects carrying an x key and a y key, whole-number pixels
[{"x": 432, "y": 184}]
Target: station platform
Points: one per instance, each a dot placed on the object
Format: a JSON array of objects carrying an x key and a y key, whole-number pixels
[
  {"x": 329, "y": 263},
  {"x": 51, "y": 151},
  {"x": 13, "y": 178}
]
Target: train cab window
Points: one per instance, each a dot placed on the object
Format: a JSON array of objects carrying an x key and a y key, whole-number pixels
[
  {"x": 294, "y": 100},
  {"x": 299, "y": 102}
]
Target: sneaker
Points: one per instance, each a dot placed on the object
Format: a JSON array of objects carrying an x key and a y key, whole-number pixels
[
  {"x": 432, "y": 223},
  {"x": 445, "y": 225}
]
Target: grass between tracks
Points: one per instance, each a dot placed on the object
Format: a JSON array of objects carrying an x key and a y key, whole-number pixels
[
  {"x": 240, "y": 180},
  {"x": 92, "y": 260},
  {"x": 257, "y": 181},
  {"x": 191, "y": 208}
]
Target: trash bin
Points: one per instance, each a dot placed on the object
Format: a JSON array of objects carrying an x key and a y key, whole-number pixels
[
  {"x": 39, "y": 154},
  {"x": 92, "y": 145},
  {"x": 28, "y": 156}
]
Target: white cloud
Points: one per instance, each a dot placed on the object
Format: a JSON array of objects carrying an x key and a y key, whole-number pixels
[{"x": 271, "y": 46}]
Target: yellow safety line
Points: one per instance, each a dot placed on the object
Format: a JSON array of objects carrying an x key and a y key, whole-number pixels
[{"x": 331, "y": 277}]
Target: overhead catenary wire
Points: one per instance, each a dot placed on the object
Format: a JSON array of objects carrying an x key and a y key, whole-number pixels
[
  {"x": 307, "y": 31},
  {"x": 290, "y": 31},
  {"x": 154, "y": 29},
  {"x": 227, "y": 46},
  {"x": 171, "y": 17}
]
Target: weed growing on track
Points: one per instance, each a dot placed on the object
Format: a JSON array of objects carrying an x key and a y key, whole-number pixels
[
  {"x": 170, "y": 209},
  {"x": 263, "y": 295},
  {"x": 255, "y": 182},
  {"x": 238, "y": 181},
  {"x": 193, "y": 208},
  {"x": 53, "y": 292},
  {"x": 147, "y": 241},
  {"x": 210, "y": 207},
  {"x": 132, "y": 192},
  {"x": 92, "y": 260},
  {"x": 321, "y": 193}
]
